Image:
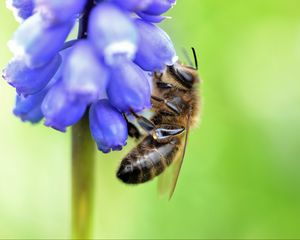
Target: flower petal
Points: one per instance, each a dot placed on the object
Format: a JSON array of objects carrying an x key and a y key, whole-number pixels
[
  {"x": 157, "y": 7},
  {"x": 108, "y": 126},
  {"x": 159, "y": 51},
  {"x": 58, "y": 11},
  {"x": 151, "y": 18},
  {"x": 22, "y": 9},
  {"x": 59, "y": 110},
  {"x": 133, "y": 5},
  {"x": 29, "y": 81},
  {"x": 128, "y": 88},
  {"x": 85, "y": 79},
  {"x": 112, "y": 32},
  {"x": 28, "y": 109},
  {"x": 42, "y": 44}
]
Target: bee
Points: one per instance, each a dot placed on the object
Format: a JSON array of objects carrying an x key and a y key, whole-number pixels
[{"x": 176, "y": 106}]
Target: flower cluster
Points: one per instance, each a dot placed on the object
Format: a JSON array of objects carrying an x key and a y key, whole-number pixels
[{"x": 105, "y": 71}]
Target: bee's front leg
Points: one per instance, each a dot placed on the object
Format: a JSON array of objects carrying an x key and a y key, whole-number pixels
[
  {"x": 169, "y": 104},
  {"x": 160, "y": 133}
]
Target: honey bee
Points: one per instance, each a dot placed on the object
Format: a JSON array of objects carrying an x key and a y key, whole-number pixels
[{"x": 176, "y": 106}]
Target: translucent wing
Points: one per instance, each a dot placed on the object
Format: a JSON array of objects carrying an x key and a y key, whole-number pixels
[
  {"x": 164, "y": 181},
  {"x": 168, "y": 180}
]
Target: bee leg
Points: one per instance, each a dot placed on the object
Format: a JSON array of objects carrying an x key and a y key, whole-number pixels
[
  {"x": 145, "y": 123},
  {"x": 133, "y": 131},
  {"x": 165, "y": 132},
  {"x": 170, "y": 105},
  {"x": 162, "y": 132},
  {"x": 164, "y": 85}
]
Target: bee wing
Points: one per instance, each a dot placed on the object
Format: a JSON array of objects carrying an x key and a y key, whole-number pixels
[
  {"x": 178, "y": 162},
  {"x": 164, "y": 182},
  {"x": 168, "y": 180}
]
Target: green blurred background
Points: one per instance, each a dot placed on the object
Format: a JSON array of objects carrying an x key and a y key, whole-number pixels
[{"x": 240, "y": 177}]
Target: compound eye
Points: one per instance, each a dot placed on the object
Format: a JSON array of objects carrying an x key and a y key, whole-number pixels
[{"x": 186, "y": 78}]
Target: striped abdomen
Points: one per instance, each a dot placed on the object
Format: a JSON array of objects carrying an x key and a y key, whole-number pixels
[{"x": 147, "y": 160}]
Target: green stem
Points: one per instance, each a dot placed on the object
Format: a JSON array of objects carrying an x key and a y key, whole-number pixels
[{"x": 83, "y": 161}]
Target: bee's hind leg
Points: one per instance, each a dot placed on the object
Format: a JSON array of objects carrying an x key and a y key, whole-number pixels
[
  {"x": 161, "y": 132},
  {"x": 133, "y": 131},
  {"x": 165, "y": 132}
]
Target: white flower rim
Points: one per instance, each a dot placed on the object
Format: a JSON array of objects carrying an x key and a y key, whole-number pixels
[
  {"x": 15, "y": 11},
  {"x": 115, "y": 48}
]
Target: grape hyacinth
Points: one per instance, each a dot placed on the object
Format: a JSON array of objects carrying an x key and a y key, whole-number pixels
[{"x": 105, "y": 71}]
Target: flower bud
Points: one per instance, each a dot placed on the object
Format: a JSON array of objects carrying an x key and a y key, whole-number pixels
[
  {"x": 108, "y": 126},
  {"x": 151, "y": 18},
  {"x": 128, "y": 88},
  {"x": 37, "y": 45},
  {"x": 112, "y": 32},
  {"x": 133, "y": 5},
  {"x": 28, "y": 109},
  {"x": 159, "y": 51},
  {"x": 157, "y": 7},
  {"x": 22, "y": 9},
  {"x": 29, "y": 81},
  {"x": 84, "y": 74},
  {"x": 60, "y": 110},
  {"x": 58, "y": 11}
]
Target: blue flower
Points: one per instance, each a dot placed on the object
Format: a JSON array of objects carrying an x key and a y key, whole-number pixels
[
  {"x": 60, "y": 110},
  {"x": 42, "y": 44},
  {"x": 86, "y": 79},
  {"x": 159, "y": 51},
  {"x": 22, "y": 9},
  {"x": 128, "y": 88},
  {"x": 117, "y": 37},
  {"x": 132, "y": 5},
  {"x": 107, "y": 136},
  {"x": 29, "y": 108},
  {"x": 157, "y": 7},
  {"x": 154, "y": 9},
  {"x": 106, "y": 71},
  {"x": 149, "y": 10},
  {"x": 27, "y": 80},
  {"x": 59, "y": 11}
]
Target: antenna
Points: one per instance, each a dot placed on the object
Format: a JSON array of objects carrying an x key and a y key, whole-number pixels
[
  {"x": 195, "y": 58},
  {"x": 187, "y": 56}
]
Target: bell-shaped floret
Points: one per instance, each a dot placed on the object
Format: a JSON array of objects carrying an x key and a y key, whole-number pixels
[
  {"x": 85, "y": 76},
  {"x": 29, "y": 81},
  {"x": 108, "y": 126},
  {"x": 22, "y": 9},
  {"x": 157, "y": 7},
  {"x": 28, "y": 109},
  {"x": 128, "y": 88},
  {"x": 37, "y": 45},
  {"x": 58, "y": 11},
  {"x": 61, "y": 110},
  {"x": 159, "y": 51},
  {"x": 112, "y": 32},
  {"x": 133, "y": 5}
]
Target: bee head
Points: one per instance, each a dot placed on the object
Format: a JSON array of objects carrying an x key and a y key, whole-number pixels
[{"x": 185, "y": 75}]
